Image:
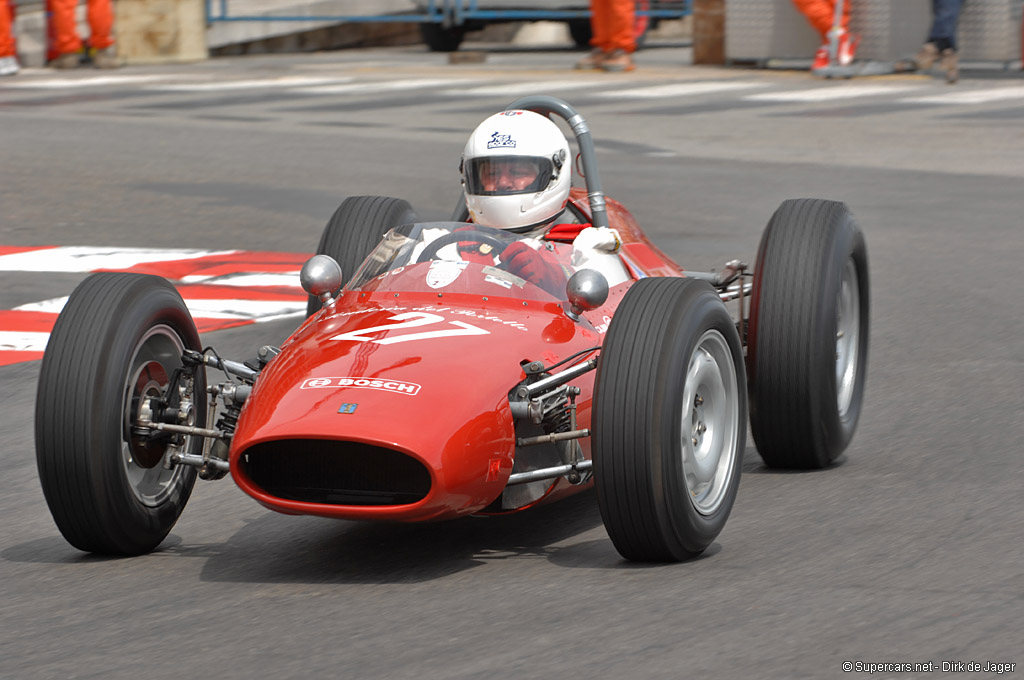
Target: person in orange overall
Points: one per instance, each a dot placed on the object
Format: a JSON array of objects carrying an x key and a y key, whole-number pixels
[
  {"x": 68, "y": 45},
  {"x": 8, "y": 47},
  {"x": 821, "y": 15},
  {"x": 614, "y": 41}
]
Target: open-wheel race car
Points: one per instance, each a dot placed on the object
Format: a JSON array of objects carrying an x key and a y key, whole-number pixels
[{"x": 424, "y": 386}]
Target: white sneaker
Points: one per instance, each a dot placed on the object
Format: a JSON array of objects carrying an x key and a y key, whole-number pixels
[{"x": 9, "y": 66}]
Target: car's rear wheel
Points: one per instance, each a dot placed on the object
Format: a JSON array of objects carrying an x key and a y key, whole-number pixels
[
  {"x": 807, "y": 348},
  {"x": 355, "y": 229},
  {"x": 113, "y": 351},
  {"x": 669, "y": 420}
]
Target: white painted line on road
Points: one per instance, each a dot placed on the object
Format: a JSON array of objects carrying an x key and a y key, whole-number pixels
[
  {"x": 256, "y": 84},
  {"x": 971, "y": 96},
  {"x": 529, "y": 87},
  {"x": 65, "y": 83},
  {"x": 381, "y": 86},
  {"x": 682, "y": 89},
  {"x": 830, "y": 93},
  {"x": 88, "y": 258}
]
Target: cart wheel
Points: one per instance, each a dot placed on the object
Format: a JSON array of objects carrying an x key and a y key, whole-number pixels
[
  {"x": 117, "y": 342},
  {"x": 807, "y": 351},
  {"x": 441, "y": 39},
  {"x": 355, "y": 229},
  {"x": 669, "y": 420}
]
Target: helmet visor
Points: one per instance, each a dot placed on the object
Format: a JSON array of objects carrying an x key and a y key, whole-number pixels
[{"x": 507, "y": 175}]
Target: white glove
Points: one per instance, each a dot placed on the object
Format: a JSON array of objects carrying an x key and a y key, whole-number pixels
[{"x": 598, "y": 238}]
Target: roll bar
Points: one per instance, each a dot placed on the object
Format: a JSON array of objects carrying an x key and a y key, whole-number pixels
[{"x": 546, "y": 104}]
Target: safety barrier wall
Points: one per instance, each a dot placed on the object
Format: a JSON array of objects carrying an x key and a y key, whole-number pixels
[
  {"x": 457, "y": 12},
  {"x": 767, "y": 31}
]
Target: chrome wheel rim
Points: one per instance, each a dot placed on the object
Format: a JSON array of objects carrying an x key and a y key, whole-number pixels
[
  {"x": 159, "y": 348},
  {"x": 847, "y": 337},
  {"x": 710, "y": 422}
]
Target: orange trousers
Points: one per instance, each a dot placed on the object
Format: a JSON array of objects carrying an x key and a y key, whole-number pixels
[
  {"x": 8, "y": 47},
  {"x": 100, "y": 14},
  {"x": 821, "y": 14},
  {"x": 612, "y": 22}
]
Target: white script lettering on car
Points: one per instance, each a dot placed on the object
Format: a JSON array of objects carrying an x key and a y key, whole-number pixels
[{"x": 411, "y": 320}]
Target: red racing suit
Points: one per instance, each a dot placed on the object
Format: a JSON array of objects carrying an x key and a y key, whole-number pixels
[
  {"x": 612, "y": 22},
  {"x": 821, "y": 14},
  {"x": 100, "y": 14}
]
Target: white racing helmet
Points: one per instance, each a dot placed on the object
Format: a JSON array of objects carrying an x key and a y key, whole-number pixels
[{"x": 515, "y": 171}]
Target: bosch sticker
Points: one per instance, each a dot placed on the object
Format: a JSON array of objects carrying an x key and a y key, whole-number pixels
[{"x": 399, "y": 386}]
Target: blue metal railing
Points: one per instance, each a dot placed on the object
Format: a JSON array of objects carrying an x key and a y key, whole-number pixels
[{"x": 454, "y": 13}]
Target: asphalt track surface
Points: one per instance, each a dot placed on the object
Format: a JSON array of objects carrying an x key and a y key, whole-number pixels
[{"x": 908, "y": 550}]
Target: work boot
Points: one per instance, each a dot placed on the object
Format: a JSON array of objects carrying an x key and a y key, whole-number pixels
[
  {"x": 104, "y": 58},
  {"x": 617, "y": 61},
  {"x": 848, "y": 43},
  {"x": 9, "y": 66},
  {"x": 950, "y": 64},
  {"x": 926, "y": 56},
  {"x": 591, "y": 61},
  {"x": 67, "y": 60},
  {"x": 821, "y": 59}
]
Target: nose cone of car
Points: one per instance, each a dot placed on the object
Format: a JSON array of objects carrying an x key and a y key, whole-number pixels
[{"x": 379, "y": 413}]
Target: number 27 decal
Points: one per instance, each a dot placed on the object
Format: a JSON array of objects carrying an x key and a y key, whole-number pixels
[{"x": 411, "y": 320}]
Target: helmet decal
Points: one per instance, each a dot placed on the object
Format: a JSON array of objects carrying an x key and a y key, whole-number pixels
[{"x": 500, "y": 141}]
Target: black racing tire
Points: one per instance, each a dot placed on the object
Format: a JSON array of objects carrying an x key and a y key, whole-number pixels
[
  {"x": 119, "y": 335},
  {"x": 355, "y": 229},
  {"x": 441, "y": 38},
  {"x": 669, "y": 420},
  {"x": 807, "y": 351}
]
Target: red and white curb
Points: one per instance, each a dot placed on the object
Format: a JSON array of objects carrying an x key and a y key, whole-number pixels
[{"x": 222, "y": 289}]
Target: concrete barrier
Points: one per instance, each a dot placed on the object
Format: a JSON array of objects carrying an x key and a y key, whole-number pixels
[
  {"x": 762, "y": 31},
  {"x": 160, "y": 31}
]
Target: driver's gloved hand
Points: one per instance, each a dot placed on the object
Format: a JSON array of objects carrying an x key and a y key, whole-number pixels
[
  {"x": 473, "y": 251},
  {"x": 526, "y": 263}
]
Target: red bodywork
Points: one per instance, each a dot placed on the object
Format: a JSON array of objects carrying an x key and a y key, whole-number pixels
[{"x": 432, "y": 386}]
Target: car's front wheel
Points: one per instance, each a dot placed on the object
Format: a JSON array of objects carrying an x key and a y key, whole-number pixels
[
  {"x": 669, "y": 420},
  {"x": 111, "y": 358}
]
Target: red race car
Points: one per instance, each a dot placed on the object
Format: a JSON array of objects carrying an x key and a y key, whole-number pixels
[{"x": 430, "y": 385}]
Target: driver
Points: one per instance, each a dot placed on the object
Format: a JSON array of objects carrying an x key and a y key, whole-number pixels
[{"x": 516, "y": 175}]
